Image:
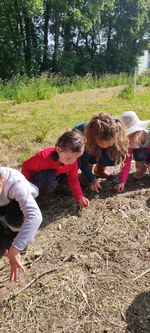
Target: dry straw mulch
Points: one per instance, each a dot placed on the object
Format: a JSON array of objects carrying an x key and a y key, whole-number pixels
[{"x": 88, "y": 270}]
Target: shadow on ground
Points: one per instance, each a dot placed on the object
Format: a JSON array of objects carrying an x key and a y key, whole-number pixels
[
  {"x": 138, "y": 314},
  {"x": 65, "y": 206},
  {"x": 131, "y": 185}
]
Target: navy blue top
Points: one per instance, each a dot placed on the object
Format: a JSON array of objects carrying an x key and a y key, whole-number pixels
[{"x": 87, "y": 159}]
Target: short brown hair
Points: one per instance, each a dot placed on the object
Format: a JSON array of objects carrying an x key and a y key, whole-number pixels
[{"x": 73, "y": 141}]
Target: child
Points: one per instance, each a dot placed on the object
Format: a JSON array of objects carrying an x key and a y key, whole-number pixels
[
  {"x": 106, "y": 145},
  {"x": 139, "y": 141},
  {"x": 21, "y": 213},
  {"x": 49, "y": 164}
]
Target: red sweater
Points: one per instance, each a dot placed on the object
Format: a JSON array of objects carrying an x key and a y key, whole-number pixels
[{"x": 43, "y": 161}]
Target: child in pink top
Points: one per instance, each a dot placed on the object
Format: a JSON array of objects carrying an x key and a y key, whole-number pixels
[
  {"x": 50, "y": 164},
  {"x": 139, "y": 147}
]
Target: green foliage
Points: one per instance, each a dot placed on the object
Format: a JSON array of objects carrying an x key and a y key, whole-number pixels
[
  {"x": 113, "y": 80},
  {"x": 66, "y": 63},
  {"x": 23, "y": 89},
  {"x": 34, "y": 7},
  {"x": 127, "y": 93},
  {"x": 144, "y": 79},
  {"x": 72, "y": 37},
  {"x": 129, "y": 90}
]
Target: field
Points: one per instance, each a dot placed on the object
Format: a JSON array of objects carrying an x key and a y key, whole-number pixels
[{"x": 88, "y": 269}]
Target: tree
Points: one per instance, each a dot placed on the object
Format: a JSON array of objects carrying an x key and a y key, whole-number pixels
[
  {"x": 125, "y": 31},
  {"x": 18, "y": 37},
  {"x": 72, "y": 36}
]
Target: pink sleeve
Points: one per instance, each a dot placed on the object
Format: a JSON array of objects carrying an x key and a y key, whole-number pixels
[{"x": 126, "y": 167}]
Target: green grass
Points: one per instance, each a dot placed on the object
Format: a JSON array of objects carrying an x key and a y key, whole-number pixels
[{"x": 29, "y": 127}]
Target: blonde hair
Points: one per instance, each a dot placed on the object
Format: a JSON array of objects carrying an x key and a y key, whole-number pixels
[{"x": 105, "y": 127}]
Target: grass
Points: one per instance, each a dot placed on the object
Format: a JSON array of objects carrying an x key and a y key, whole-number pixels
[
  {"x": 22, "y": 89},
  {"x": 28, "y": 127}
]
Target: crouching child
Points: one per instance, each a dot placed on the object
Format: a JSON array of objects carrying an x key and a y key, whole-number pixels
[{"x": 21, "y": 212}]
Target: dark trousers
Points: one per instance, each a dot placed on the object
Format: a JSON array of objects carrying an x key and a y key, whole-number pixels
[
  {"x": 13, "y": 214},
  {"x": 138, "y": 155},
  {"x": 45, "y": 178},
  {"x": 104, "y": 159},
  {"x": 141, "y": 155}
]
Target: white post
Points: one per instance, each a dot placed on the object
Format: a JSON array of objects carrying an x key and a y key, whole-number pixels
[{"x": 135, "y": 76}]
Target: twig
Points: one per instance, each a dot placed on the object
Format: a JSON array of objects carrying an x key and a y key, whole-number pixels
[
  {"x": 31, "y": 282},
  {"x": 54, "y": 269},
  {"x": 141, "y": 274}
]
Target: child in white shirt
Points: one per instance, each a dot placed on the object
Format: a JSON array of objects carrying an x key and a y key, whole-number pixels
[{"x": 21, "y": 212}]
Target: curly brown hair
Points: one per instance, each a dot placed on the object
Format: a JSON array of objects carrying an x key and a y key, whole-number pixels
[{"x": 106, "y": 127}]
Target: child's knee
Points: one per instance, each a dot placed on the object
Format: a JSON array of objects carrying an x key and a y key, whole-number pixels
[{"x": 140, "y": 154}]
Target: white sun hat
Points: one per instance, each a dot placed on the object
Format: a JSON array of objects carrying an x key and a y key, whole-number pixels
[{"x": 132, "y": 122}]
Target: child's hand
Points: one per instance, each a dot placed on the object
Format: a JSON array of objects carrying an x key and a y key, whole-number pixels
[
  {"x": 119, "y": 187},
  {"x": 84, "y": 202},
  {"x": 15, "y": 263},
  {"x": 95, "y": 185}
]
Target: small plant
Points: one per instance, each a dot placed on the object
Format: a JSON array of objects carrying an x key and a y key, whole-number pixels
[{"x": 129, "y": 90}]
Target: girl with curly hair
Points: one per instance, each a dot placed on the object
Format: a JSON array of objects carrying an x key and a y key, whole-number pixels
[{"x": 106, "y": 145}]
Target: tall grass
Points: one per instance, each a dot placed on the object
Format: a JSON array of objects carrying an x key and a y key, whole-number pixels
[
  {"x": 144, "y": 79},
  {"x": 23, "y": 89}
]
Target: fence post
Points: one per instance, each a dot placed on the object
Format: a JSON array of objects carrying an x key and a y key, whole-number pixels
[{"x": 135, "y": 77}]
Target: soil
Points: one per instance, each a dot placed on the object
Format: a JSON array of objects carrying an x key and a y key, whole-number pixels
[{"x": 88, "y": 269}]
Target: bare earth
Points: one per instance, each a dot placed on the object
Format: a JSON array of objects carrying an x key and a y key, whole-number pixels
[{"x": 88, "y": 270}]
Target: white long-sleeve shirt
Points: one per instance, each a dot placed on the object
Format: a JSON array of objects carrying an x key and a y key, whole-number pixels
[{"x": 16, "y": 187}]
